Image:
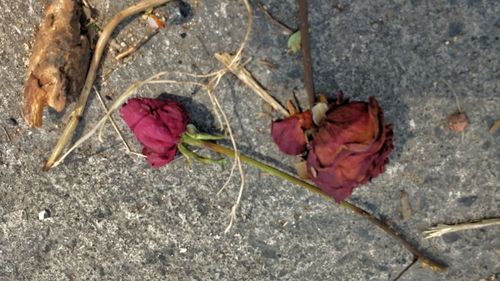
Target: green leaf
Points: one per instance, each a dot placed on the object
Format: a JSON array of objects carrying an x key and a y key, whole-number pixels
[{"x": 294, "y": 42}]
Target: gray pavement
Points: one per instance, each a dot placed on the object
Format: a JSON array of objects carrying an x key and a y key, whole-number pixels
[{"x": 114, "y": 218}]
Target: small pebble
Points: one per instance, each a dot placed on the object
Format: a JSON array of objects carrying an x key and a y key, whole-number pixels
[
  {"x": 43, "y": 215},
  {"x": 179, "y": 12}
]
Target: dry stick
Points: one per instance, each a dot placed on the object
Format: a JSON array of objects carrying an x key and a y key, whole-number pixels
[
  {"x": 136, "y": 46},
  {"x": 286, "y": 30},
  {"x": 248, "y": 79},
  {"x": 426, "y": 261},
  {"x": 77, "y": 113},
  {"x": 112, "y": 120},
  {"x": 306, "y": 51},
  {"x": 405, "y": 269},
  {"x": 442, "y": 229},
  {"x": 7, "y": 134}
]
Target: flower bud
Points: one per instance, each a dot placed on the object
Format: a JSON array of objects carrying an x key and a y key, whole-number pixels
[{"x": 158, "y": 125}]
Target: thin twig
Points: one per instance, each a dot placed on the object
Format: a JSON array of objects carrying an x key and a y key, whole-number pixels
[
  {"x": 77, "y": 113},
  {"x": 247, "y": 78},
  {"x": 394, "y": 234},
  {"x": 442, "y": 229},
  {"x": 415, "y": 259},
  {"x": 211, "y": 85},
  {"x": 306, "y": 51},
  {"x": 136, "y": 46},
  {"x": 286, "y": 30},
  {"x": 457, "y": 100},
  {"x": 112, "y": 120},
  {"x": 7, "y": 134}
]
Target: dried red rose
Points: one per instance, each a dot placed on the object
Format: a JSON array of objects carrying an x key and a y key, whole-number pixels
[
  {"x": 350, "y": 148},
  {"x": 289, "y": 134},
  {"x": 158, "y": 125}
]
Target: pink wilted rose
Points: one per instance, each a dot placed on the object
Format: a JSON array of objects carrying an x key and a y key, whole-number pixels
[
  {"x": 289, "y": 135},
  {"x": 350, "y": 148},
  {"x": 158, "y": 125}
]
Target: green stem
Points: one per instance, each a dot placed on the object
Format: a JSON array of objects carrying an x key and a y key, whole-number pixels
[
  {"x": 434, "y": 264},
  {"x": 264, "y": 167}
]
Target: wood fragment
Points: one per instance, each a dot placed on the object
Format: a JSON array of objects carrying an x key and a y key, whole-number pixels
[
  {"x": 442, "y": 229},
  {"x": 285, "y": 29},
  {"x": 58, "y": 63},
  {"x": 248, "y": 79},
  {"x": 415, "y": 259},
  {"x": 9, "y": 139},
  {"x": 494, "y": 127},
  {"x": 136, "y": 46},
  {"x": 405, "y": 206}
]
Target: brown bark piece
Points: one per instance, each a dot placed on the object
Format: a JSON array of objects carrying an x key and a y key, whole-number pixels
[{"x": 59, "y": 61}]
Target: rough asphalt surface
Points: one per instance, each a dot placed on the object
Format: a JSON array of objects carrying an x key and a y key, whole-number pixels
[{"x": 111, "y": 217}]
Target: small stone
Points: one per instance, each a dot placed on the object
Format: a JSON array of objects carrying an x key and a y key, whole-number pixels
[
  {"x": 340, "y": 8},
  {"x": 457, "y": 122},
  {"x": 43, "y": 215},
  {"x": 467, "y": 201},
  {"x": 179, "y": 12}
]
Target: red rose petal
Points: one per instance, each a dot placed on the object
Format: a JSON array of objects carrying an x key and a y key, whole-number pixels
[
  {"x": 158, "y": 125},
  {"x": 350, "y": 148},
  {"x": 288, "y": 134}
]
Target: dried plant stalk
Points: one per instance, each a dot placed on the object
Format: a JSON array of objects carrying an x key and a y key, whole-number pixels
[
  {"x": 442, "y": 229},
  {"x": 248, "y": 79},
  {"x": 58, "y": 63}
]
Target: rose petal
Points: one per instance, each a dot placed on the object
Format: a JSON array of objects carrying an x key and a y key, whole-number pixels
[
  {"x": 133, "y": 111},
  {"x": 288, "y": 134},
  {"x": 350, "y": 148},
  {"x": 158, "y": 125},
  {"x": 156, "y": 159}
]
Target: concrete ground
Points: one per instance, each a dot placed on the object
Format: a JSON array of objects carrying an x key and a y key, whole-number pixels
[{"x": 111, "y": 217}]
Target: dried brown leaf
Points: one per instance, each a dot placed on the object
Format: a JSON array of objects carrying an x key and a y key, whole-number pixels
[{"x": 58, "y": 63}]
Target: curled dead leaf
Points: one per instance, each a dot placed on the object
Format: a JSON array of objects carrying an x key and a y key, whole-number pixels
[{"x": 58, "y": 63}]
